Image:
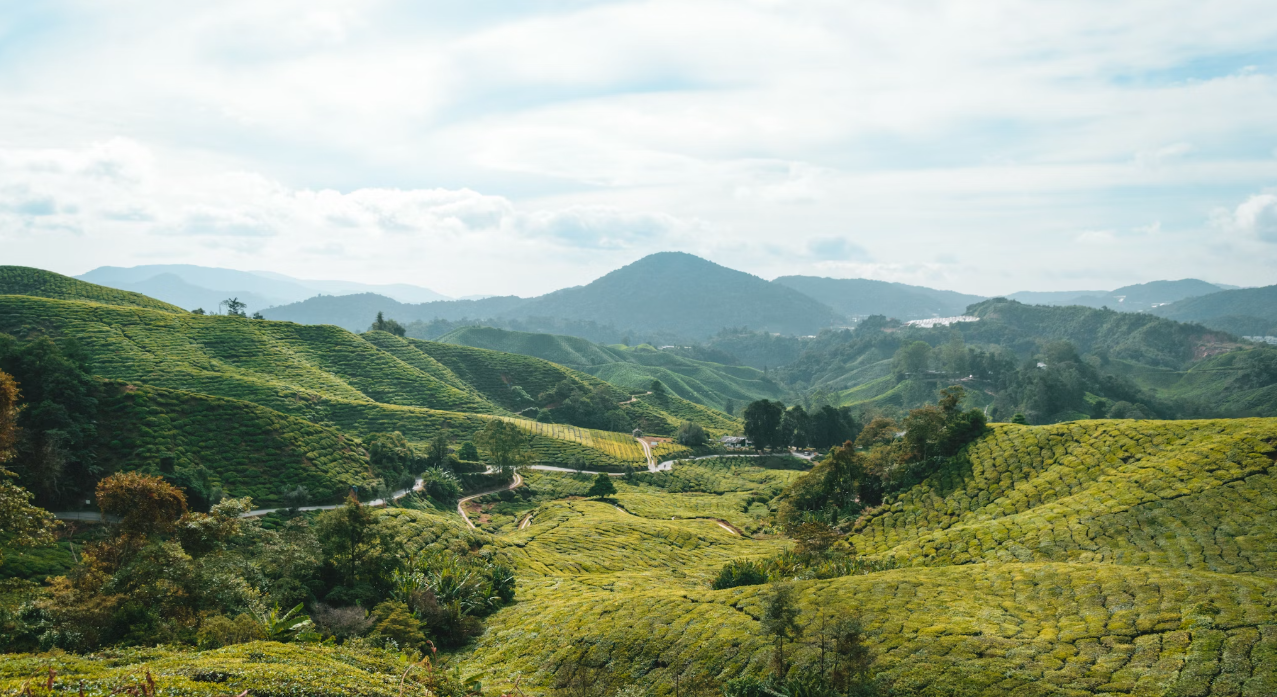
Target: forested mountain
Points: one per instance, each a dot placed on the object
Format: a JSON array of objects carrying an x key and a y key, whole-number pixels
[
  {"x": 354, "y": 312},
  {"x": 663, "y": 297},
  {"x": 685, "y": 296},
  {"x": 1245, "y": 312},
  {"x": 703, "y": 382},
  {"x": 1047, "y": 363},
  {"x": 1134, "y": 298},
  {"x": 861, "y": 297}
]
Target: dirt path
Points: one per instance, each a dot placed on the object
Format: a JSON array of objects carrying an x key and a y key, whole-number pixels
[{"x": 462, "y": 502}]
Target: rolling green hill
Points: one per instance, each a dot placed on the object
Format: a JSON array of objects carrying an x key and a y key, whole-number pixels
[
  {"x": 23, "y": 280},
  {"x": 349, "y": 384},
  {"x": 701, "y": 382},
  {"x": 1247, "y": 311},
  {"x": 1014, "y": 360},
  {"x": 1097, "y": 558}
]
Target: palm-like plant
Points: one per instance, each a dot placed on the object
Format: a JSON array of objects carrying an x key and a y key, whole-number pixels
[{"x": 277, "y": 626}]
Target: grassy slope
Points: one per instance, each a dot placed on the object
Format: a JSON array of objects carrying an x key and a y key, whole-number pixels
[
  {"x": 321, "y": 374},
  {"x": 708, "y": 384},
  {"x": 24, "y": 280},
  {"x": 246, "y": 449},
  {"x": 1113, "y": 558}
]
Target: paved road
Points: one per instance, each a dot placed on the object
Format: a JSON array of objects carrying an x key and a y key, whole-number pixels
[{"x": 462, "y": 502}]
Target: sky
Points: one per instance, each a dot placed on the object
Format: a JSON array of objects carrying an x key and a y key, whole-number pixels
[{"x": 497, "y": 147}]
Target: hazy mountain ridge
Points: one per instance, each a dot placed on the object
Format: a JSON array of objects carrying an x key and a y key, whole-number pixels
[
  {"x": 861, "y": 297},
  {"x": 192, "y": 286}
]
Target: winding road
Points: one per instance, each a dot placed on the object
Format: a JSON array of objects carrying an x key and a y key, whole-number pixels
[
  {"x": 652, "y": 466},
  {"x": 461, "y": 503}
]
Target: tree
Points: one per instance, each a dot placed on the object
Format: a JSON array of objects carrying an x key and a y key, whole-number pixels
[
  {"x": 381, "y": 324},
  {"x": 145, "y": 504},
  {"x": 55, "y": 454},
  {"x": 602, "y": 487},
  {"x": 795, "y": 428},
  {"x": 507, "y": 445},
  {"x": 911, "y": 359},
  {"x": 729, "y": 406},
  {"x": 21, "y": 524},
  {"x": 657, "y": 388},
  {"x": 780, "y": 622},
  {"x": 437, "y": 451},
  {"x": 467, "y": 451},
  {"x": 691, "y": 434},
  {"x": 233, "y": 307},
  {"x": 762, "y": 423},
  {"x": 355, "y": 547}
]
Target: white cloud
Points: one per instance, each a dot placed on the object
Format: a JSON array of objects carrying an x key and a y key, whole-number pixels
[
  {"x": 1255, "y": 217},
  {"x": 548, "y": 137}
]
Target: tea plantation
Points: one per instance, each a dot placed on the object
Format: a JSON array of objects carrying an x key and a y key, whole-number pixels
[{"x": 1093, "y": 558}]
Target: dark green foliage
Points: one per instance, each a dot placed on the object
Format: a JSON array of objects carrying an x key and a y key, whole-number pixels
[
  {"x": 573, "y": 403},
  {"x": 381, "y": 324},
  {"x": 54, "y": 457},
  {"x": 602, "y": 487},
  {"x": 740, "y": 572},
  {"x": 441, "y": 485},
  {"x": 359, "y": 554},
  {"x": 762, "y": 424},
  {"x": 467, "y": 451},
  {"x": 691, "y": 434}
]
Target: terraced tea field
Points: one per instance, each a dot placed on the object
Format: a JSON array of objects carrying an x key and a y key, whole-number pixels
[{"x": 1093, "y": 558}]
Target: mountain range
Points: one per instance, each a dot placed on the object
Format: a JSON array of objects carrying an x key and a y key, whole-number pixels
[{"x": 664, "y": 298}]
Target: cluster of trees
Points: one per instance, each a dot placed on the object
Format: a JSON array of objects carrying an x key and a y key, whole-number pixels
[
  {"x": 573, "y": 403},
  {"x": 381, "y": 324},
  {"x": 56, "y": 432},
  {"x": 445, "y": 474},
  {"x": 887, "y": 456},
  {"x": 769, "y": 425},
  {"x": 165, "y": 574}
]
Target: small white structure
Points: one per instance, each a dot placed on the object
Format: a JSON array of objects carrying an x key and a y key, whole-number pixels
[
  {"x": 1262, "y": 339},
  {"x": 734, "y": 441},
  {"x": 940, "y": 321}
]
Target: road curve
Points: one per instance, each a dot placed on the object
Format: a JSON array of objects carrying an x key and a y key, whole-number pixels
[{"x": 462, "y": 502}]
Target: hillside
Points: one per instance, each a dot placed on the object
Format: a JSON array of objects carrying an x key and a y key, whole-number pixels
[
  {"x": 668, "y": 294},
  {"x": 352, "y": 385},
  {"x": 23, "y": 280},
  {"x": 356, "y": 312},
  {"x": 1079, "y": 559},
  {"x": 686, "y": 296},
  {"x": 1140, "y": 297},
  {"x": 861, "y": 297},
  {"x": 1137, "y": 363},
  {"x": 702, "y": 382},
  {"x": 1246, "y": 312}
]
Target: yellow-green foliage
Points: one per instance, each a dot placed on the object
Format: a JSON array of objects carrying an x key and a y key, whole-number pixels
[
  {"x": 619, "y": 542},
  {"x": 1181, "y": 494},
  {"x": 714, "y": 421},
  {"x": 245, "y": 449},
  {"x": 1006, "y": 629},
  {"x": 24, "y": 280},
  {"x": 261, "y": 668},
  {"x": 429, "y": 531}
]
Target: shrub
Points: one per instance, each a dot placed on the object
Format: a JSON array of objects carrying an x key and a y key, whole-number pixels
[
  {"x": 741, "y": 572},
  {"x": 218, "y": 631},
  {"x": 341, "y": 622}
]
